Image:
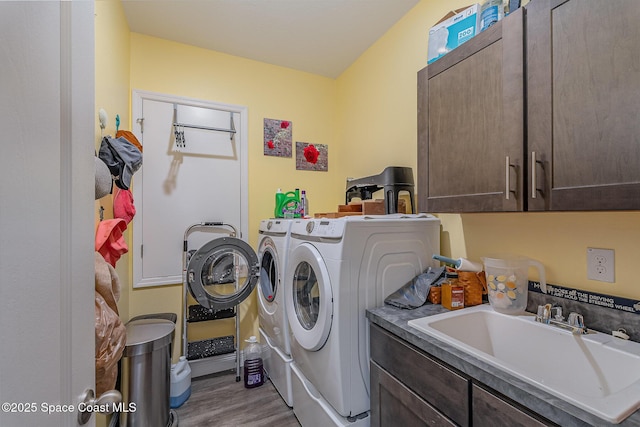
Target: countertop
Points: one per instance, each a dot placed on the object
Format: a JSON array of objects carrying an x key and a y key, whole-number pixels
[{"x": 536, "y": 399}]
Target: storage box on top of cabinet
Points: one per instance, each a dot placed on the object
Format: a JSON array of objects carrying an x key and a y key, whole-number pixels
[{"x": 452, "y": 31}]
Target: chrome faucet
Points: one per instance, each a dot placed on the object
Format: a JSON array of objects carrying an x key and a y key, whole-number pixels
[{"x": 552, "y": 315}]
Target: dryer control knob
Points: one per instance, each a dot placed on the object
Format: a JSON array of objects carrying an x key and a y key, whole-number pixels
[{"x": 310, "y": 226}]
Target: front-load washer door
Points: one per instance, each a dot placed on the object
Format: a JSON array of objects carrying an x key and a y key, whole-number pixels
[
  {"x": 222, "y": 273},
  {"x": 309, "y": 297},
  {"x": 269, "y": 284}
]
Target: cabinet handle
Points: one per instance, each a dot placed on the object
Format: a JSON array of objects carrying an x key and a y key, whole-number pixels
[
  {"x": 534, "y": 175},
  {"x": 507, "y": 188},
  {"x": 534, "y": 186}
]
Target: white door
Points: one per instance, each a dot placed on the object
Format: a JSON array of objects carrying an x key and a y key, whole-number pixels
[
  {"x": 196, "y": 175},
  {"x": 46, "y": 211}
]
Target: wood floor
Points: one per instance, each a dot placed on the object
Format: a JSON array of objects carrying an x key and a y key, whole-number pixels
[{"x": 218, "y": 400}]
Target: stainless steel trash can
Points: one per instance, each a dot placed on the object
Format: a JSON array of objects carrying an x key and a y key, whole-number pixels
[{"x": 146, "y": 369}]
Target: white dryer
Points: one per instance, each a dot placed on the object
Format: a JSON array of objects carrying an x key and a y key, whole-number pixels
[
  {"x": 337, "y": 269},
  {"x": 273, "y": 252}
]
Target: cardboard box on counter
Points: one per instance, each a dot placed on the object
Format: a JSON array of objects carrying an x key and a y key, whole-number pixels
[
  {"x": 364, "y": 207},
  {"x": 351, "y": 207},
  {"x": 377, "y": 207},
  {"x": 334, "y": 214},
  {"x": 452, "y": 30}
]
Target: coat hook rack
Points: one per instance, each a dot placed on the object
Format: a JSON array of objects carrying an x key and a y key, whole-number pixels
[{"x": 102, "y": 119}]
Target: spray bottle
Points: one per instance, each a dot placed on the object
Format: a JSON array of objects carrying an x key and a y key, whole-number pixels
[{"x": 304, "y": 204}]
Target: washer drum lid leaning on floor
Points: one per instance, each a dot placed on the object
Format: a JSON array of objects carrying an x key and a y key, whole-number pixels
[{"x": 215, "y": 270}]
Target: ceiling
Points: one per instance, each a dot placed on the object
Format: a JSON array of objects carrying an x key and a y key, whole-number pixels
[{"x": 321, "y": 37}]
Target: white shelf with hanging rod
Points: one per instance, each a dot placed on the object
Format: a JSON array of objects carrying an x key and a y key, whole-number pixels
[{"x": 179, "y": 128}]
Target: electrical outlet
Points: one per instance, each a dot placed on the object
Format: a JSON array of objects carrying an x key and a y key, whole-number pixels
[{"x": 600, "y": 265}]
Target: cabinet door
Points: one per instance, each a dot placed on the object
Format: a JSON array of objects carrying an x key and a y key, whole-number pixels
[
  {"x": 433, "y": 382},
  {"x": 490, "y": 410},
  {"x": 471, "y": 124},
  {"x": 583, "y": 81},
  {"x": 393, "y": 404}
]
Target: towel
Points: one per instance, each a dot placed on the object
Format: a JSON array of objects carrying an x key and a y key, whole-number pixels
[{"x": 414, "y": 294}]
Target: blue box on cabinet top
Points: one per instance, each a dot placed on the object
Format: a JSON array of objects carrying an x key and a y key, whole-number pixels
[{"x": 452, "y": 31}]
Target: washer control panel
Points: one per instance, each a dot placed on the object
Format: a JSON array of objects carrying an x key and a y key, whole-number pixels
[{"x": 324, "y": 227}]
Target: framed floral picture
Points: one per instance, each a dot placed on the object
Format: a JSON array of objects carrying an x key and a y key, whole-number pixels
[
  {"x": 313, "y": 157},
  {"x": 277, "y": 137}
]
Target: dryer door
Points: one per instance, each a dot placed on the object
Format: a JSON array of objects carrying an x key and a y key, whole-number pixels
[
  {"x": 222, "y": 273},
  {"x": 270, "y": 278},
  {"x": 309, "y": 297}
]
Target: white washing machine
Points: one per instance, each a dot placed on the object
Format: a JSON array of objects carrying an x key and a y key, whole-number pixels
[
  {"x": 337, "y": 269},
  {"x": 273, "y": 252}
]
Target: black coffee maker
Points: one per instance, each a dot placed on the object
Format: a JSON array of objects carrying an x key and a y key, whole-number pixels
[{"x": 392, "y": 180}]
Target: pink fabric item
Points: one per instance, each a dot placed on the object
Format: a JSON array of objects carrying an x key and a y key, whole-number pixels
[
  {"x": 123, "y": 205},
  {"x": 110, "y": 241}
]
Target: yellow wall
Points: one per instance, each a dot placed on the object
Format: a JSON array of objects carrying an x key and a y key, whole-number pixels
[
  {"x": 112, "y": 95},
  {"x": 560, "y": 240},
  {"x": 367, "y": 117},
  {"x": 377, "y": 97},
  {"x": 268, "y": 92}
]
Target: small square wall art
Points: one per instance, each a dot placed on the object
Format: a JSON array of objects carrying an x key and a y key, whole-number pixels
[
  {"x": 312, "y": 157},
  {"x": 277, "y": 137}
]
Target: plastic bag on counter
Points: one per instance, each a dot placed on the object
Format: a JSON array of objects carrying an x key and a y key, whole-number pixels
[
  {"x": 111, "y": 340},
  {"x": 414, "y": 294}
]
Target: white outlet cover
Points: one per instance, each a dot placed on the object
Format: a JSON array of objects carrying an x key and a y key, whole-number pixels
[{"x": 601, "y": 265}]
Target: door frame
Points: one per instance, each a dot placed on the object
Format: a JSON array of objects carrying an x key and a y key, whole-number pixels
[
  {"x": 137, "y": 125},
  {"x": 47, "y": 312}
]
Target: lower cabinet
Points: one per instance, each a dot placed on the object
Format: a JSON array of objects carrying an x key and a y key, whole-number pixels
[
  {"x": 412, "y": 388},
  {"x": 492, "y": 411},
  {"x": 397, "y": 405}
]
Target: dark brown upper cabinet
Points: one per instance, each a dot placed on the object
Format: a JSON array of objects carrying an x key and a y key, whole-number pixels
[
  {"x": 471, "y": 124},
  {"x": 583, "y": 104},
  {"x": 539, "y": 112}
]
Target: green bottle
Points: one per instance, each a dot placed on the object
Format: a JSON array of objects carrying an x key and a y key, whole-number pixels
[
  {"x": 277, "y": 212},
  {"x": 287, "y": 204}
]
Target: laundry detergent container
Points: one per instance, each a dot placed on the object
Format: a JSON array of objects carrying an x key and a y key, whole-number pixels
[
  {"x": 180, "y": 382},
  {"x": 146, "y": 369}
]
